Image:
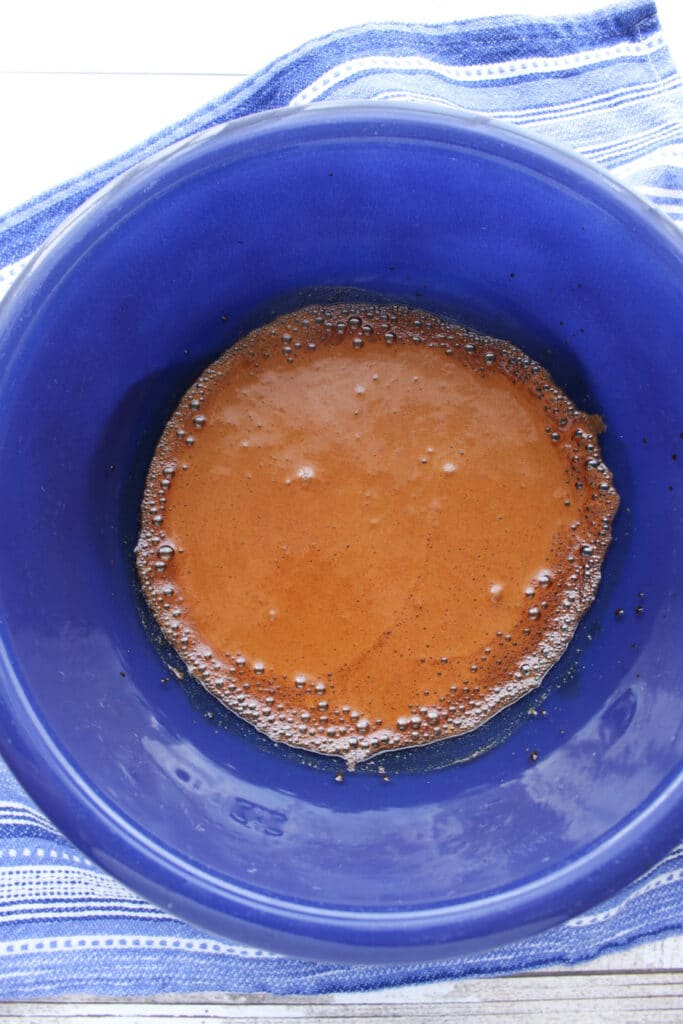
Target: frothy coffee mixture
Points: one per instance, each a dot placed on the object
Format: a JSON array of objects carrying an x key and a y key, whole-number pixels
[{"x": 366, "y": 528}]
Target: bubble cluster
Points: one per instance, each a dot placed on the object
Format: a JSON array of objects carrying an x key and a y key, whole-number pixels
[{"x": 441, "y": 692}]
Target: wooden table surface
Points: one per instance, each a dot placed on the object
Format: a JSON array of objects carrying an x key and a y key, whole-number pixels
[{"x": 78, "y": 93}]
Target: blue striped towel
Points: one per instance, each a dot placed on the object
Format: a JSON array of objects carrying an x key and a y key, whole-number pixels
[{"x": 602, "y": 84}]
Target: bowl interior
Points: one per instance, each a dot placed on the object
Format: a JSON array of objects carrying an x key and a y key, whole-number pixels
[{"x": 109, "y": 326}]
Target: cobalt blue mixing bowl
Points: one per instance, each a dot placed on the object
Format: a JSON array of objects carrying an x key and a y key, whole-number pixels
[{"x": 474, "y": 841}]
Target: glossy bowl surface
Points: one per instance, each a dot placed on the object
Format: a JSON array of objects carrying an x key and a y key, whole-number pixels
[{"x": 120, "y": 310}]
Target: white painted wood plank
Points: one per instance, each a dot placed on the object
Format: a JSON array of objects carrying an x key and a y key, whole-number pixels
[
  {"x": 55, "y": 127},
  {"x": 602, "y": 999}
]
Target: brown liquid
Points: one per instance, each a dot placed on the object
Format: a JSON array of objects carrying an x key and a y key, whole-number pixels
[{"x": 365, "y": 528}]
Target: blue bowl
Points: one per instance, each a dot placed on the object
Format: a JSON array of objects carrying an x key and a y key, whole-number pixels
[{"x": 474, "y": 841}]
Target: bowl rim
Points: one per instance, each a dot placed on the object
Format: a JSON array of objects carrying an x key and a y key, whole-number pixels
[{"x": 185, "y": 888}]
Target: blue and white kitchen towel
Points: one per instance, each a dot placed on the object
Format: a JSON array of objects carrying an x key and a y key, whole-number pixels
[{"x": 604, "y": 85}]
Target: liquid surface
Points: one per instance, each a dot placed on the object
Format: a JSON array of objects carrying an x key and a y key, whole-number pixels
[{"x": 366, "y": 528}]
